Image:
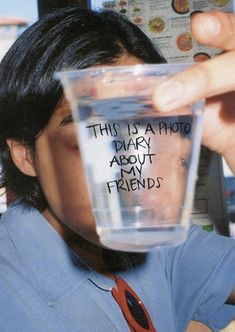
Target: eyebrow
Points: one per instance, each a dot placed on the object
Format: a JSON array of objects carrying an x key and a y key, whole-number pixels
[{"x": 67, "y": 119}]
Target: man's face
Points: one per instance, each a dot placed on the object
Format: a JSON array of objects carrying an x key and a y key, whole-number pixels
[{"x": 58, "y": 166}]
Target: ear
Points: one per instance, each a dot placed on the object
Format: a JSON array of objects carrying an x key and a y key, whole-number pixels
[{"x": 22, "y": 157}]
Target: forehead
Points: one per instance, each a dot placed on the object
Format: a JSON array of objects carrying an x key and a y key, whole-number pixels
[
  {"x": 63, "y": 106},
  {"x": 62, "y": 109}
]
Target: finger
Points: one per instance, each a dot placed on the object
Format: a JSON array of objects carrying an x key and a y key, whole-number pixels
[
  {"x": 214, "y": 29},
  {"x": 202, "y": 80}
]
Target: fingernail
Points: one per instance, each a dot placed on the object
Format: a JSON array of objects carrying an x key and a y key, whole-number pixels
[
  {"x": 211, "y": 25},
  {"x": 169, "y": 93}
]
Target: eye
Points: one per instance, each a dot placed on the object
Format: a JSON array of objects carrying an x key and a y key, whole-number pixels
[{"x": 68, "y": 119}]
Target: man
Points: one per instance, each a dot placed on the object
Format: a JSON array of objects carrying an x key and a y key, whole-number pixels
[{"x": 54, "y": 274}]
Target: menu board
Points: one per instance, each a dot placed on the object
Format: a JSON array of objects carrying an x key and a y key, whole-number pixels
[{"x": 167, "y": 23}]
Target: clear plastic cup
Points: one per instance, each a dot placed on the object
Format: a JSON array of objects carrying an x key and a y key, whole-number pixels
[{"x": 140, "y": 164}]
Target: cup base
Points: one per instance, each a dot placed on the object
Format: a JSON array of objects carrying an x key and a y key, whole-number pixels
[{"x": 142, "y": 239}]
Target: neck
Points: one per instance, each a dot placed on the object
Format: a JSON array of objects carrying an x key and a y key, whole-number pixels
[{"x": 100, "y": 259}]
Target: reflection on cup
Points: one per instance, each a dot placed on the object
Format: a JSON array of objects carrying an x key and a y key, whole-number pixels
[{"x": 140, "y": 165}]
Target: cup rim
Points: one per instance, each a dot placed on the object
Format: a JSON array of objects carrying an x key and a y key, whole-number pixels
[{"x": 158, "y": 69}]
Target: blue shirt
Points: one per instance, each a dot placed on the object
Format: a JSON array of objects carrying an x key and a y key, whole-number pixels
[{"x": 45, "y": 286}]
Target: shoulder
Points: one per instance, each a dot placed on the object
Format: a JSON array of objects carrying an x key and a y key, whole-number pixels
[
  {"x": 11, "y": 265},
  {"x": 23, "y": 232},
  {"x": 201, "y": 275},
  {"x": 15, "y": 224},
  {"x": 198, "y": 255},
  {"x": 207, "y": 245}
]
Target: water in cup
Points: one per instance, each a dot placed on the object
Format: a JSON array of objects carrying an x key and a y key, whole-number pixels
[
  {"x": 140, "y": 165},
  {"x": 136, "y": 164}
]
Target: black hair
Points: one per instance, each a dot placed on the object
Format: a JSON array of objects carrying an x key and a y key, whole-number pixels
[{"x": 68, "y": 38}]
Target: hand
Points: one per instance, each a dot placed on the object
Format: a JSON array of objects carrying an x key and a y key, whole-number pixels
[{"x": 213, "y": 79}]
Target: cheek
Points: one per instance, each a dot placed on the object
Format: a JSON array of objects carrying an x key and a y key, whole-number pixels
[
  {"x": 68, "y": 141},
  {"x": 62, "y": 178},
  {"x": 72, "y": 205}
]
